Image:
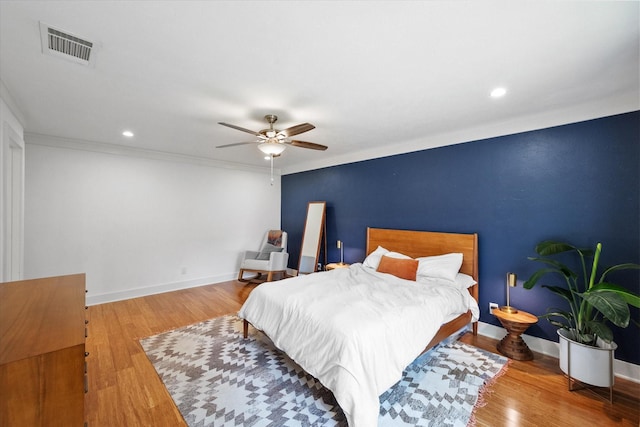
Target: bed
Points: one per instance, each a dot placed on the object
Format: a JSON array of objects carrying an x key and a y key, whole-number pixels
[{"x": 355, "y": 329}]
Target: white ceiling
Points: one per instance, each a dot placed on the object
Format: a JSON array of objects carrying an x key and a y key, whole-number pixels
[{"x": 375, "y": 78}]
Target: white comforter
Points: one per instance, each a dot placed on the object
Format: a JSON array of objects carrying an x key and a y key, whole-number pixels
[{"x": 354, "y": 329}]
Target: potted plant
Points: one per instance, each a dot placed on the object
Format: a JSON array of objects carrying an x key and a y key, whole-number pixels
[{"x": 585, "y": 337}]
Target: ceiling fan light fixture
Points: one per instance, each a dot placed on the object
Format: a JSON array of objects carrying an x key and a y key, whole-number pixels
[{"x": 271, "y": 148}]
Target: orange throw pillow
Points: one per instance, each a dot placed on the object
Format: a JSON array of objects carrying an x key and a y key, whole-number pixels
[{"x": 402, "y": 268}]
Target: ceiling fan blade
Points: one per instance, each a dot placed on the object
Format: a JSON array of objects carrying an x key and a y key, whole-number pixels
[
  {"x": 305, "y": 144},
  {"x": 234, "y": 144},
  {"x": 242, "y": 129},
  {"x": 297, "y": 129}
]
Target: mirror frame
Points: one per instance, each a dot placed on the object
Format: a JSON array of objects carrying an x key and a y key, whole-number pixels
[{"x": 314, "y": 231}]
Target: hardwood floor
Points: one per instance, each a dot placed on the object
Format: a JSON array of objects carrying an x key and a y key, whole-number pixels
[{"x": 124, "y": 389}]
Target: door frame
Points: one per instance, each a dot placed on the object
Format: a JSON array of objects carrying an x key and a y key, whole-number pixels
[{"x": 12, "y": 159}]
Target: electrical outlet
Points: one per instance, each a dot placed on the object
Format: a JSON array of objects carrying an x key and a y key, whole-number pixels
[{"x": 492, "y": 305}]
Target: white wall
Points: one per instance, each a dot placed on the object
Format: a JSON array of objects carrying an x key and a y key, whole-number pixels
[{"x": 136, "y": 224}]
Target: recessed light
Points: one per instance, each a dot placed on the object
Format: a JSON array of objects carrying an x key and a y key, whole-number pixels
[
  {"x": 498, "y": 92},
  {"x": 127, "y": 133}
]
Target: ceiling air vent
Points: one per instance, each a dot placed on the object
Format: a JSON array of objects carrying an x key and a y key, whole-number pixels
[{"x": 62, "y": 44}]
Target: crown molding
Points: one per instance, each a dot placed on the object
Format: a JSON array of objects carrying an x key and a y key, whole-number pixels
[
  {"x": 543, "y": 120},
  {"x": 121, "y": 150}
]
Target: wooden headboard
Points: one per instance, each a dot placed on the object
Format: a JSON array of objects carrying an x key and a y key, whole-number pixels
[{"x": 427, "y": 243}]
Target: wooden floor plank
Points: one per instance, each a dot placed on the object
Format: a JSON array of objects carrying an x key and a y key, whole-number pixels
[{"x": 124, "y": 388}]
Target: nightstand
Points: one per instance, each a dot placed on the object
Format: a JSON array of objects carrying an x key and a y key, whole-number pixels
[
  {"x": 335, "y": 265},
  {"x": 512, "y": 345}
]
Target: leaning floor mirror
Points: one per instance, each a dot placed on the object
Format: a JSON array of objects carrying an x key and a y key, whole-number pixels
[{"x": 312, "y": 238}]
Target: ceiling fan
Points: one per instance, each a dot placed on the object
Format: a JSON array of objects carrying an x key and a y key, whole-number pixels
[{"x": 273, "y": 141}]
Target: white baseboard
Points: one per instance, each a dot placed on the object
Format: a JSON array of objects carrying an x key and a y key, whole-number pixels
[
  {"x": 626, "y": 370},
  {"x": 156, "y": 289}
]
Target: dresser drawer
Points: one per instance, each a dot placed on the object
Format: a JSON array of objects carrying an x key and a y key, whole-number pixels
[{"x": 44, "y": 390}]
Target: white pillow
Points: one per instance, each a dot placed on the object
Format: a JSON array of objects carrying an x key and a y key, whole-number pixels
[
  {"x": 444, "y": 266},
  {"x": 465, "y": 281},
  {"x": 397, "y": 255},
  {"x": 373, "y": 260}
]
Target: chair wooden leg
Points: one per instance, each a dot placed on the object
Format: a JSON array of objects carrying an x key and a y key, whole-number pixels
[
  {"x": 269, "y": 276},
  {"x": 240, "y": 276},
  {"x": 245, "y": 331}
]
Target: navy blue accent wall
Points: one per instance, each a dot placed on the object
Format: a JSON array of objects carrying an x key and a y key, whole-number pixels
[{"x": 578, "y": 182}]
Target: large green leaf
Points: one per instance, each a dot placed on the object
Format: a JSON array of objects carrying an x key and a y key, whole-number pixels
[
  {"x": 556, "y": 312},
  {"x": 551, "y": 316},
  {"x": 612, "y": 306},
  {"x": 626, "y": 294},
  {"x": 601, "y": 330},
  {"x": 627, "y": 266},
  {"x": 531, "y": 282},
  {"x": 567, "y": 294},
  {"x": 550, "y": 247},
  {"x": 558, "y": 324},
  {"x": 558, "y": 266}
]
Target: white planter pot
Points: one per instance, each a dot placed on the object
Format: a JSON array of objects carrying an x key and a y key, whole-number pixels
[{"x": 591, "y": 365}]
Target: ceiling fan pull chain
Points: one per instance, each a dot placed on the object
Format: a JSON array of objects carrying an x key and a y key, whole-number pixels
[{"x": 271, "y": 156}]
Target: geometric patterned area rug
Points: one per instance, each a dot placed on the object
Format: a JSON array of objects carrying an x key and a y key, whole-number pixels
[{"x": 217, "y": 378}]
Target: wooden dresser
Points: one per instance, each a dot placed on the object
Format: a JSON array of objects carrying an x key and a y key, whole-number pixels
[{"x": 42, "y": 352}]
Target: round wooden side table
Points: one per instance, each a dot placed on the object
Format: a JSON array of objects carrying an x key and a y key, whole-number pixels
[{"x": 512, "y": 345}]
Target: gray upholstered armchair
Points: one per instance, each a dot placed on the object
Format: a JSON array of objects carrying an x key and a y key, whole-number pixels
[{"x": 271, "y": 258}]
